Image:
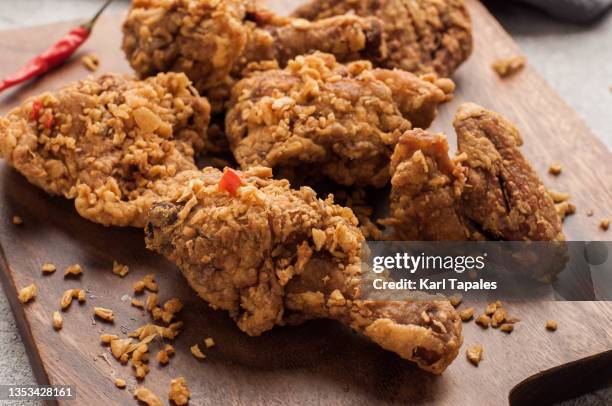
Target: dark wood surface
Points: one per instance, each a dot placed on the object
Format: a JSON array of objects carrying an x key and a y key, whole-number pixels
[{"x": 319, "y": 362}]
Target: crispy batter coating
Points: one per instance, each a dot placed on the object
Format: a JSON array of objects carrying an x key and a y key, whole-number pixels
[
  {"x": 272, "y": 255},
  {"x": 212, "y": 41},
  {"x": 489, "y": 191},
  {"x": 422, "y": 35},
  {"x": 318, "y": 116},
  {"x": 107, "y": 142}
]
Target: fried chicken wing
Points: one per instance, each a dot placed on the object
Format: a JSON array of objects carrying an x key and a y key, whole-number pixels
[
  {"x": 212, "y": 41},
  {"x": 422, "y": 35},
  {"x": 271, "y": 255},
  {"x": 107, "y": 142},
  {"x": 489, "y": 191},
  {"x": 321, "y": 117}
]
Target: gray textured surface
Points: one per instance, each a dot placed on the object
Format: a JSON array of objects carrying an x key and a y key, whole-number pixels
[
  {"x": 573, "y": 10},
  {"x": 576, "y": 60}
]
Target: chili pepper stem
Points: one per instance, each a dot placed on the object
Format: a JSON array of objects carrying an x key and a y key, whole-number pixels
[{"x": 89, "y": 25}]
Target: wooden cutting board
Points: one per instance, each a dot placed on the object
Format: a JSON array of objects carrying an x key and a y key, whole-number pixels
[{"x": 319, "y": 362}]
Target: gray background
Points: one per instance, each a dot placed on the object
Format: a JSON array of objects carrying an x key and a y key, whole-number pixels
[{"x": 575, "y": 59}]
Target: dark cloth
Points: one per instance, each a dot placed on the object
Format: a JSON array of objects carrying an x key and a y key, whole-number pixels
[{"x": 573, "y": 10}]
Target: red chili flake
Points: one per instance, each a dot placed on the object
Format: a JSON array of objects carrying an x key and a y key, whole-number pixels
[
  {"x": 35, "y": 113},
  {"x": 230, "y": 181},
  {"x": 50, "y": 121}
]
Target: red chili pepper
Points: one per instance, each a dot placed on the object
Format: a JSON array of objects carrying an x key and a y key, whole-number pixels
[
  {"x": 35, "y": 112},
  {"x": 50, "y": 121},
  {"x": 55, "y": 55},
  {"x": 230, "y": 181}
]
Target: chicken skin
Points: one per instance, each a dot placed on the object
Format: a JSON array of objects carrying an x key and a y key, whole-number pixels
[
  {"x": 422, "y": 35},
  {"x": 108, "y": 142},
  {"x": 320, "y": 117},
  {"x": 213, "y": 41},
  {"x": 271, "y": 255},
  {"x": 488, "y": 192}
]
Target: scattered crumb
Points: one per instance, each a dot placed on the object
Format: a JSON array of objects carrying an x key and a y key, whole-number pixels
[
  {"x": 48, "y": 268},
  {"x": 179, "y": 392},
  {"x": 564, "y": 209},
  {"x": 490, "y": 309},
  {"x": 74, "y": 270},
  {"x": 209, "y": 342},
  {"x": 505, "y": 67},
  {"x": 590, "y": 213},
  {"x": 91, "y": 62},
  {"x": 80, "y": 295},
  {"x": 147, "y": 397},
  {"x": 27, "y": 293},
  {"x": 104, "y": 313},
  {"x": 150, "y": 284},
  {"x": 195, "y": 350},
  {"x": 17, "y": 220},
  {"x": 474, "y": 354},
  {"x": 119, "y": 347},
  {"x": 170, "y": 308},
  {"x": 107, "y": 338},
  {"x": 455, "y": 300},
  {"x": 139, "y": 286},
  {"x": 558, "y": 197},
  {"x": 120, "y": 269},
  {"x": 507, "y": 328},
  {"x": 162, "y": 357},
  {"x": 169, "y": 349},
  {"x": 138, "y": 303},
  {"x": 604, "y": 224},
  {"x": 120, "y": 383},
  {"x": 57, "y": 320},
  {"x": 467, "y": 314},
  {"x": 551, "y": 325},
  {"x": 483, "y": 321},
  {"x": 66, "y": 299},
  {"x": 555, "y": 169},
  {"x": 152, "y": 301}
]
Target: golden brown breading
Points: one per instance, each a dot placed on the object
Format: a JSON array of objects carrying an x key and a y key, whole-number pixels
[
  {"x": 320, "y": 117},
  {"x": 488, "y": 192},
  {"x": 422, "y": 35},
  {"x": 271, "y": 255},
  {"x": 212, "y": 41},
  {"x": 107, "y": 142}
]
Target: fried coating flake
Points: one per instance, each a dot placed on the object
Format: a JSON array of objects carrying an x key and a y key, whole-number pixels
[
  {"x": 212, "y": 41},
  {"x": 321, "y": 117},
  {"x": 256, "y": 256},
  {"x": 107, "y": 142},
  {"x": 489, "y": 191},
  {"x": 422, "y": 35}
]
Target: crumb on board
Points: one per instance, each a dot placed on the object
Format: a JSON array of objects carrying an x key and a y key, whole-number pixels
[
  {"x": 107, "y": 338},
  {"x": 148, "y": 283},
  {"x": 80, "y": 295},
  {"x": 73, "y": 270},
  {"x": 17, "y": 220},
  {"x": 179, "y": 391},
  {"x": 146, "y": 396},
  {"x": 564, "y": 209},
  {"x": 209, "y": 342},
  {"x": 555, "y": 169},
  {"x": 466, "y": 314},
  {"x": 474, "y": 354},
  {"x": 505, "y": 67},
  {"x": 120, "y": 346},
  {"x": 57, "y": 320},
  {"x": 507, "y": 328},
  {"x": 604, "y": 224},
  {"x": 455, "y": 300},
  {"x": 151, "y": 301},
  {"x": 551, "y": 325},
  {"x": 66, "y": 299},
  {"x": 558, "y": 197},
  {"x": 91, "y": 62},
  {"x": 48, "y": 268},
  {"x": 169, "y": 349},
  {"x": 195, "y": 350},
  {"x": 483, "y": 321},
  {"x": 162, "y": 357},
  {"x": 120, "y": 383},
  {"x": 137, "y": 303},
  {"x": 120, "y": 269},
  {"x": 27, "y": 293},
  {"x": 490, "y": 309},
  {"x": 104, "y": 313},
  {"x": 590, "y": 213}
]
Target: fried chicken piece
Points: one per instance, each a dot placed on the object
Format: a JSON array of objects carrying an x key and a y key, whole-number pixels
[
  {"x": 271, "y": 255},
  {"x": 213, "y": 41},
  {"x": 107, "y": 142},
  {"x": 489, "y": 191},
  {"x": 422, "y": 35},
  {"x": 319, "y": 117}
]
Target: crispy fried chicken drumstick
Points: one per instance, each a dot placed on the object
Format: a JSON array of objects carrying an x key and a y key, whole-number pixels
[
  {"x": 489, "y": 191},
  {"x": 212, "y": 41},
  {"x": 108, "y": 143},
  {"x": 421, "y": 35},
  {"x": 320, "y": 117},
  {"x": 271, "y": 255}
]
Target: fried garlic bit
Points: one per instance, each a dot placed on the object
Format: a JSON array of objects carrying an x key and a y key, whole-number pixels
[
  {"x": 508, "y": 66},
  {"x": 551, "y": 325},
  {"x": 48, "y": 268},
  {"x": 179, "y": 392},
  {"x": 68, "y": 295},
  {"x": 27, "y": 293},
  {"x": 120, "y": 383},
  {"x": 146, "y": 396},
  {"x": 555, "y": 169},
  {"x": 209, "y": 342},
  {"x": 148, "y": 283},
  {"x": 195, "y": 350},
  {"x": 91, "y": 62},
  {"x": 466, "y": 314},
  {"x": 138, "y": 303},
  {"x": 604, "y": 224},
  {"x": 104, "y": 313},
  {"x": 107, "y": 338},
  {"x": 120, "y": 269},
  {"x": 57, "y": 320},
  {"x": 474, "y": 354},
  {"x": 73, "y": 270}
]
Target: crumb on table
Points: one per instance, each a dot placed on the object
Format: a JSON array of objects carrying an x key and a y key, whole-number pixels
[
  {"x": 48, "y": 268},
  {"x": 27, "y": 293},
  {"x": 91, "y": 62},
  {"x": 604, "y": 224},
  {"x": 555, "y": 169},
  {"x": 551, "y": 325},
  {"x": 73, "y": 270},
  {"x": 505, "y": 67},
  {"x": 474, "y": 354}
]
